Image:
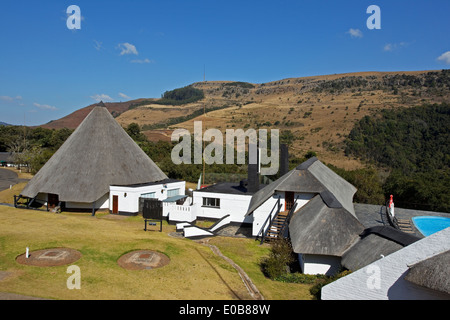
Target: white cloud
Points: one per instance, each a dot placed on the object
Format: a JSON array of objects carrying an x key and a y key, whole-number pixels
[
  {"x": 101, "y": 97},
  {"x": 44, "y": 106},
  {"x": 123, "y": 95},
  {"x": 6, "y": 98},
  {"x": 394, "y": 46},
  {"x": 388, "y": 47},
  {"x": 127, "y": 48},
  {"x": 355, "y": 33},
  {"x": 98, "y": 45},
  {"x": 146, "y": 60},
  {"x": 445, "y": 57}
]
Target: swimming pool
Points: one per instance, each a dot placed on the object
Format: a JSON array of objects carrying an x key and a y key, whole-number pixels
[{"x": 428, "y": 225}]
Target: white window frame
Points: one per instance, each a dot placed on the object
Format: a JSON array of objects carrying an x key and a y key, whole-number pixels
[
  {"x": 211, "y": 202},
  {"x": 146, "y": 195}
]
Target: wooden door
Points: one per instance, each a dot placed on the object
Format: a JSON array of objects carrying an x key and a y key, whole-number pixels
[
  {"x": 289, "y": 200},
  {"x": 115, "y": 204}
]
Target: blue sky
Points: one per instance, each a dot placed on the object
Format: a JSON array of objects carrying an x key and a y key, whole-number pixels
[{"x": 141, "y": 48}]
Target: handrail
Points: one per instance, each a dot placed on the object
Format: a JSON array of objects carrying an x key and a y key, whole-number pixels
[
  {"x": 269, "y": 218},
  {"x": 288, "y": 219}
]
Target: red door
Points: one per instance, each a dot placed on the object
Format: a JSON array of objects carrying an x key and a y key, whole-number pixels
[{"x": 115, "y": 204}]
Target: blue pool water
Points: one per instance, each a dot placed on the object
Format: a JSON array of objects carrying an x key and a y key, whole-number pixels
[{"x": 428, "y": 225}]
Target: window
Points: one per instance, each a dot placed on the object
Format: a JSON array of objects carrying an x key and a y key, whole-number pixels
[
  {"x": 173, "y": 192},
  {"x": 148, "y": 195},
  {"x": 211, "y": 202}
]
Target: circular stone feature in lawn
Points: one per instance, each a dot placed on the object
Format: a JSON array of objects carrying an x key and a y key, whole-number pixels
[
  {"x": 49, "y": 257},
  {"x": 143, "y": 259}
]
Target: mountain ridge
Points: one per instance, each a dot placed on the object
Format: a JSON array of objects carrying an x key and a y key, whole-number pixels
[{"x": 313, "y": 113}]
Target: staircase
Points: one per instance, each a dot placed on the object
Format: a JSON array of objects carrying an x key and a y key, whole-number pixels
[
  {"x": 276, "y": 229},
  {"x": 405, "y": 225}
]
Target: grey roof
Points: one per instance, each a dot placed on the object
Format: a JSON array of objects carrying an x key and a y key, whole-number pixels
[
  {"x": 99, "y": 153},
  {"x": 147, "y": 184},
  {"x": 228, "y": 188},
  {"x": 6, "y": 156},
  {"x": 312, "y": 176},
  {"x": 373, "y": 244},
  {"x": 432, "y": 273},
  {"x": 317, "y": 228}
]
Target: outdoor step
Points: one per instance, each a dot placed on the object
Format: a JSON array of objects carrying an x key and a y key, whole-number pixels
[{"x": 269, "y": 239}]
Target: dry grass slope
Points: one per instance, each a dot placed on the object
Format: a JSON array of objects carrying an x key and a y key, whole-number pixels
[
  {"x": 320, "y": 111},
  {"x": 194, "y": 271}
]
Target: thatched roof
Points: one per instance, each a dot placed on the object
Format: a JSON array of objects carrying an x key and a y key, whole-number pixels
[
  {"x": 373, "y": 244},
  {"x": 99, "y": 153},
  {"x": 432, "y": 273},
  {"x": 323, "y": 227},
  {"x": 327, "y": 224},
  {"x": 312, "y": 176}
]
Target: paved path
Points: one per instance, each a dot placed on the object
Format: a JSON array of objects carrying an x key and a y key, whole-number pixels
[
  {"x": 251, "y": 288},
  {"x": 7, "y": 178},
  {"x": 13, "y": 296}
]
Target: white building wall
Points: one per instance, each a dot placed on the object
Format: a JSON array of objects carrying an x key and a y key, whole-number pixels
[
  {"x": 102, "y": 203},
  {"x": 319, "y": 264},
  {"x": 234, "y": 205},
  {"x": 384, "y": 278},
  {"x": 128, "y": 197}
]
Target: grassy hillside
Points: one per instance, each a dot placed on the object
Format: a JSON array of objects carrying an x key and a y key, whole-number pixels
[{"x": 319, "y": 111}]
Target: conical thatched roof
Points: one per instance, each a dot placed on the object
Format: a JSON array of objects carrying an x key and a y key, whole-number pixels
[{"x": 99, "y": 153}]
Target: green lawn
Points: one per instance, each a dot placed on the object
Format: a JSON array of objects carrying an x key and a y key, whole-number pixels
[{"x": 194, "y": 271}]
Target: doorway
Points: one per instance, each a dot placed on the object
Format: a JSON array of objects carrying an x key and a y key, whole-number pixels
[
  {"x": 289, "y": 200},
  {"x": 115, "y": 204},
  {"x": 52, "y": 200}
]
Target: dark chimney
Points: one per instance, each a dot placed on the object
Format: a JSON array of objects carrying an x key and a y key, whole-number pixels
[
  {"x": 284, "y": 159},
  {"x": 253, "y": 175},
  {"x": 253, "y": 178}
]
